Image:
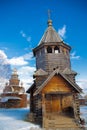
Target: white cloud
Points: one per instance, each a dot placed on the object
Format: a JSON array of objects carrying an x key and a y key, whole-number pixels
[
  {"x": 2, "y": 83},
  {"x": 83, "y": 84},
  {"x": 18, "y": 61},
  {"x": 3, "y": 71},
  {"x": 28, "y": 38},
  {"x": 26, "y": 75},
  {"x": 28, "y": 56},
  {"x": 62, "y": 31},
  {"x": 25, "y": 72},
  {"x": 21, "y": 60},
  {"x": 2, "y": 55},
  {"x": 74, "y": 56}
]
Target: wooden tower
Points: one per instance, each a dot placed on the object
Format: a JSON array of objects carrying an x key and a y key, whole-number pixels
[
  {"x": 54, "y": 91},
  {"x": 13, "y": 95}
]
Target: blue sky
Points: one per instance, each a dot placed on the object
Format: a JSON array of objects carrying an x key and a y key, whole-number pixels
[{"x": 23, "y": 22}]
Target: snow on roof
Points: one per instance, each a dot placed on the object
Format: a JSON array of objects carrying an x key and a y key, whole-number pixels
[
  {"x": 5, "y": 99},
  {"x": 8, "y": 92}
]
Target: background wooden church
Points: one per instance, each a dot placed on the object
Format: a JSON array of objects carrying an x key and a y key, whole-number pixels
[
  {"x": 54, "y": 91},
  {"x": 13, "y": 95}
]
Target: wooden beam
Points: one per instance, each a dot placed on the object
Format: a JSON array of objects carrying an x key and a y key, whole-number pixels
[{"x": 43, "y": 110}]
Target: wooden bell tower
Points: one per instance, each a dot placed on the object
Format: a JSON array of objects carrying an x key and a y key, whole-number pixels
[
  {"x": 52, "y": 52},
  {"x": 54, "y": 89}
]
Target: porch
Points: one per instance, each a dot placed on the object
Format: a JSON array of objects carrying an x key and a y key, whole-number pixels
[
  {"x": 58, "y": 110},
  {"x": 58, "y": 102}
]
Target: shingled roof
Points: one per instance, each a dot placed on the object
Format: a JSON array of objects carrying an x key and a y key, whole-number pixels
[
  {"x": 69, "y": 71},
  {"x": 50, "y": 35},
  {"x": 57, "y": 71},
  {"x": 40, "y": 72}
]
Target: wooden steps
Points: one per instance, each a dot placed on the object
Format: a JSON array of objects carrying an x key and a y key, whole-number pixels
[{"x": 59, "y": 121}]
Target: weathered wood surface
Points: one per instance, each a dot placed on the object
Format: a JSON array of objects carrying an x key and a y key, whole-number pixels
[
  {"x": 50, "y": 61},
  {"x": 56, "y": 102},
  {"x": 57, "y": 83},
  {"x": 54, "y": 121}
]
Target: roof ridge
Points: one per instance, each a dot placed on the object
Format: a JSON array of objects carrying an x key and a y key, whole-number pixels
[{"x": 40, "y": 72}]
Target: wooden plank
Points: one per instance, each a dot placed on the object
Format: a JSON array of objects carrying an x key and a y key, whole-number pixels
[{"x": 57, "y": 83}]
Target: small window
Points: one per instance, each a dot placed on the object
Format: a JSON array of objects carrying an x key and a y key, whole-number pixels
[
  {"x": 56, "y": 50},
  {"x": 49, "y": 49}
]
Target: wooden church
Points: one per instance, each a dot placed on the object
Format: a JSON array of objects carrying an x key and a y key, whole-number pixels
[
  {"x": 54, "y": 93},
  {"x": 13, "y": 95}
]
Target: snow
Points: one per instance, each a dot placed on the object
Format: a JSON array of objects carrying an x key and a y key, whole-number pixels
[
  {"x": 5, "y": 99},
  {"x": 14, "y": 119},
  {"x": 83, "y": 110}
]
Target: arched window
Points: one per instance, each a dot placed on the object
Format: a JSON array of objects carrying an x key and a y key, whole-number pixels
[
  {"x": 49, "y": 49},
  {"x": 56, "y": 50}
]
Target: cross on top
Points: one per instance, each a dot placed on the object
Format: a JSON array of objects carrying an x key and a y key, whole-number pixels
[{"x": 49, "y": 14}]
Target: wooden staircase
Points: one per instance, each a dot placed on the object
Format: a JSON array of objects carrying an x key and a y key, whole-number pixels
[{"x": 60, "y": 121}]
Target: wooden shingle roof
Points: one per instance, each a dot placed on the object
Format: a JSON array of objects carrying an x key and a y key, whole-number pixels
[
  {"x": 40, "y": 72},
  {"x": 50, "y": 35},
  {"x": 69, "y": 71}
]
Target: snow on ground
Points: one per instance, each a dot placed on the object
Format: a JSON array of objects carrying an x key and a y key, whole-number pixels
[
  {"x": 14, "y": 119},
  {"x": 83, "y": 110}
]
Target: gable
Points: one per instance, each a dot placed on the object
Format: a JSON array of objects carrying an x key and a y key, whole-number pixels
[
  {"x": 51, "y": 80},
  {"x": 57, "y": 84}
]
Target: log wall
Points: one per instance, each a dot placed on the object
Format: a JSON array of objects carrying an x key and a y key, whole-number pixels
[{"x": 49, "y": 61}]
